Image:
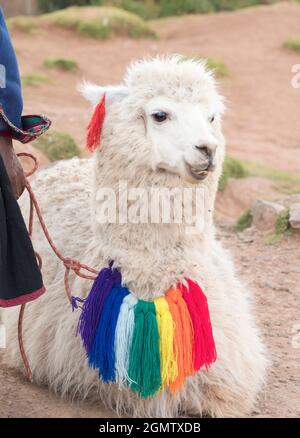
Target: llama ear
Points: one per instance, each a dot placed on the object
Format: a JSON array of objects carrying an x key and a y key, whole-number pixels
[
  {"x": 101, "y": 98},
  {"x": 94, "y": 93}
]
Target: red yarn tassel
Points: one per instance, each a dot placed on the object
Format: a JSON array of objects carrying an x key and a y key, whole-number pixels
[
  {"x": 204, "y": 351},
  {"x": 95, "y": 126}
]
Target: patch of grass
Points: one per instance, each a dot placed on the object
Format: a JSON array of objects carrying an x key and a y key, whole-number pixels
[
  {"x": 232, "y": 168},
  {"x": 57, "y": 145},
  {"x": 147, "y": 9},
  {"x": 52, "y": 5},
  {"x": 99, "y": 22},
  {"x": 282, "y": 222},
  {"x": 180, "y": 7},
  {"x": 151, "y": 9},
  {"x": 61, "y": 64},
  {"x": 290, "y": 190},
  {"x": 232, "y": 5},
  {"x": 287, "y": 180},
  {"x": 282, "y": 228},
  {"x": 292, "y": 44},
  {"x": 244, "y": 221},
  {"x": 219, "y": 68},
  {"x": 34, "y": 80},
  {"x": 22, "y": 23}
]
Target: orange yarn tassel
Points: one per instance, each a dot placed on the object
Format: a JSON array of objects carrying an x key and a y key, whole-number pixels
[
  {"x": 95, "y": 126},
  {"x": 183, "y": 337}
]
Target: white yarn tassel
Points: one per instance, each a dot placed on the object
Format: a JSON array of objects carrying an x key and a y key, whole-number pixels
[{"x": 123, "y": 339}]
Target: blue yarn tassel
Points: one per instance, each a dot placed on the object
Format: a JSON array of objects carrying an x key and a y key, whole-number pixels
[
  {"x": 94, "y": 302},
  {"x": 102, "y": 353}
]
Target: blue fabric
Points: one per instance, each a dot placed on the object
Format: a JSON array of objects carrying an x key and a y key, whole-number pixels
[
  {"x": 3, "y": 125},
  {"x": 10, "y": 96},
  {"x": 102, "y": 353}
]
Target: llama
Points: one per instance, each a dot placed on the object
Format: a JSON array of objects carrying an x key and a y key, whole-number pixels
[{"x": 162, "y": 129}]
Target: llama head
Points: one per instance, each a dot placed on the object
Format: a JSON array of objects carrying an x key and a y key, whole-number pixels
[{"x": 166, "y": 116}]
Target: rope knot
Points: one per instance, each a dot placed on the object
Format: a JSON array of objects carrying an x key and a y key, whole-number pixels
[{"x": 75, "y": 265}]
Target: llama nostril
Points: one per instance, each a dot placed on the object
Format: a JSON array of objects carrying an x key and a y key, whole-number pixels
[
  {"x": 207, "y": 157},
  {"x": 205, "y": 150}
]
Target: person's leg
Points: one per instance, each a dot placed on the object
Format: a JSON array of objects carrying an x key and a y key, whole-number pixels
[
  {"x": 20, "y": 277},
  {"x": 12, "y": 165}
]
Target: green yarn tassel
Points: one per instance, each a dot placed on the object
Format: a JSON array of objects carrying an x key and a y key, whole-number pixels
[{"x": 144, "y": 360}]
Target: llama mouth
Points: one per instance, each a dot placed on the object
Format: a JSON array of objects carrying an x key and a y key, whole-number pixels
[{"x": 196, "y": 173}]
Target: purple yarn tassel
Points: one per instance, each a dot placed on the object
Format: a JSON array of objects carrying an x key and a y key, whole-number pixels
[
  {"x": 94, "y": 302},
  {"x": 102, "y": 352}
]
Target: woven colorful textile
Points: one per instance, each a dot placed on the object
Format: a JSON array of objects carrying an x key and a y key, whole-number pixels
[
  {"x": 147, "y": 346},
  {"x": 31, "y": 127}
]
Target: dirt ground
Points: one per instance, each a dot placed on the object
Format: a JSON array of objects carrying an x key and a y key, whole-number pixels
[
  {"x": 262, "y": 121},
  {"x": 273, "y": 275},
  {"x": 261, "y": 125}
]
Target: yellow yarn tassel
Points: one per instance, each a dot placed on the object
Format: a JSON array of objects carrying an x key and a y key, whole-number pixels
[{"x": 168, "y": 363}]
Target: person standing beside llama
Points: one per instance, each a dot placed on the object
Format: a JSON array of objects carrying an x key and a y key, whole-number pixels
[{"x": 20, "y": 277}]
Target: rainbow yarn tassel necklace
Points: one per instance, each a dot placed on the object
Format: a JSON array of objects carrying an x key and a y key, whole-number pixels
[{"x": 147, "y": 346}]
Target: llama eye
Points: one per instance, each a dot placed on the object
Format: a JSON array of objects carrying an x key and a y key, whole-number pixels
[
  {"x": 160, "y": 116},
  {"x": 211, "y": 119}
]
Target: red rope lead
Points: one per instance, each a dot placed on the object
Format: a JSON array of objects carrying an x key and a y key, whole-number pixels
[
  {"x": 69, "y": 263},
  {"x": 21, "y": 344}
]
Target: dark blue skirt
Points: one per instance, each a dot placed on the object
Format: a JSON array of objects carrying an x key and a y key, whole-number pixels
[{"x": 20, "y": 277}]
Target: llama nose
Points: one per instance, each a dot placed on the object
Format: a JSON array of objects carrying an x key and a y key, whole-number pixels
[{"x": 208, "y": 154}]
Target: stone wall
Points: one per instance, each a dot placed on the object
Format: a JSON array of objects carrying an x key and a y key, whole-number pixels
[{"x": 19, "y": 7}]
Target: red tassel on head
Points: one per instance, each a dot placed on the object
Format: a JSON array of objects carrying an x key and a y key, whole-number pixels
[
  {"x": 95, "y": 126},
  {"x": 204, "y": 351}
]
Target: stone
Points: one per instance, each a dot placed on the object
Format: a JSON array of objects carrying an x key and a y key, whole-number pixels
[
  {"x": 265, "y": 214},
  {"x": 294, "y": 218},
  {"x": 290, "y": 200}
]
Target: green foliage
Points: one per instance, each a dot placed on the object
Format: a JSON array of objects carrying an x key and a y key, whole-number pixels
[
  {"x": 34, "y": 80},
  {"x": 282, "y": 228},
  {"x": 150, "y": 9},
  {"x": 99, "y": 22},
  {"x": 146, "y": 9},
  {"x": 218, "y": 67},
  {"x": 61, "y": 64},
  {"x": 287, "y": 180},
  {"x": 282, "y": 222},
  {"x": 22, "y": 23},
  {"x": 57, "y": 145},
  {"x": 94, "y": 21},
  {"x": 231, "y": 5},
  {"x": 232, "y": 169},
  {"x": 181, "y": 7},
  {"x": 292, "y": 44},
  {"x": 244, "y": 221},
  {"x": 52, "y": 5}
]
